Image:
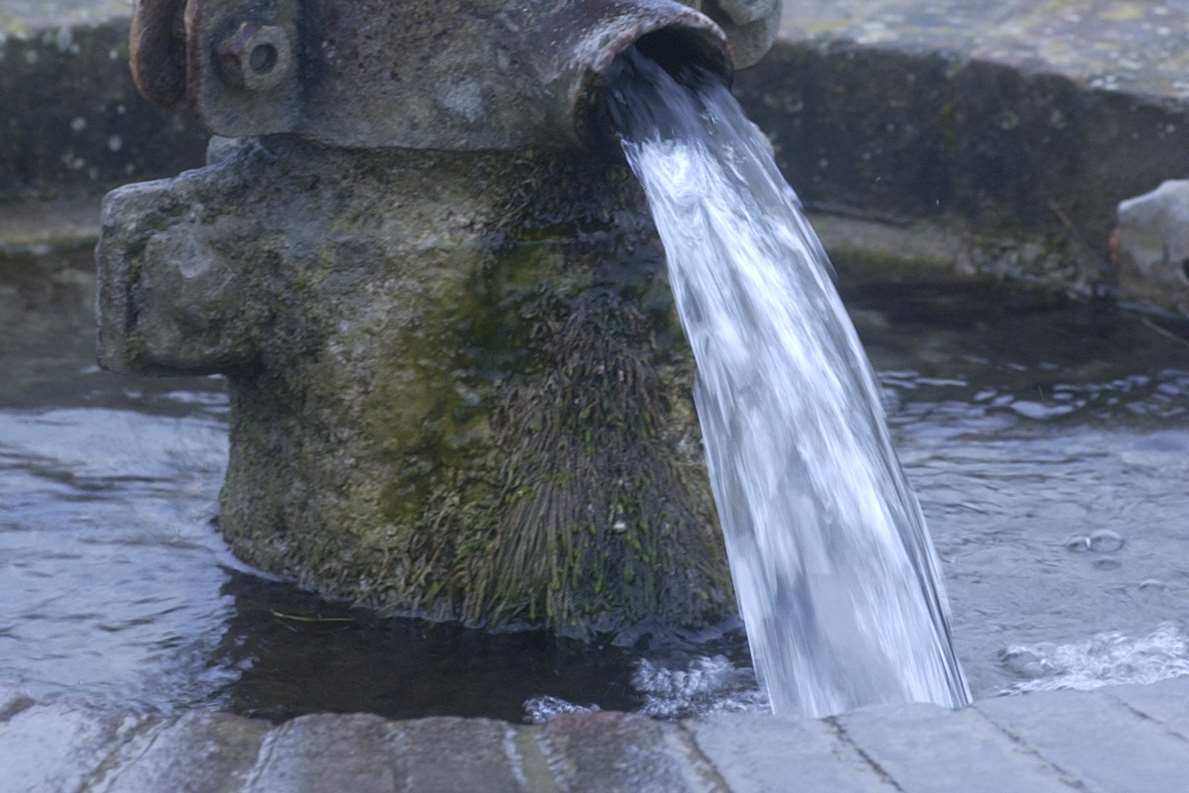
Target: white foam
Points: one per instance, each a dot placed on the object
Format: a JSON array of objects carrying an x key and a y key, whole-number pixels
[{"x": 1104, "y": 659}]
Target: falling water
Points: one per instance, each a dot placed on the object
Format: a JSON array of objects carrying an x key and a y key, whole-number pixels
[{"x": 835, "y": 573}]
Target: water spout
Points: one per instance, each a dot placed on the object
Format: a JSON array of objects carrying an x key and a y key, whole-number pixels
[
  {"x": 424, "y": 74},
  {"x": 833, "y": 566}
]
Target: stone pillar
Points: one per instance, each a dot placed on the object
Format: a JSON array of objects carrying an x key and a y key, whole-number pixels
[{"x": 459, "y": 388}]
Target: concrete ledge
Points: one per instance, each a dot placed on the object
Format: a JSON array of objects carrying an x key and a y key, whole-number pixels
[
  {"x": 1019, "y": 125},
  {"x": 1002, "y": 134},
  {"x": 1126, "y": 740}
]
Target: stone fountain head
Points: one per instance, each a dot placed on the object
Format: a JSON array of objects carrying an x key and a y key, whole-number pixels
[
  {"x": 458, "y": 387},
  {"x": 422, "y": 74}
]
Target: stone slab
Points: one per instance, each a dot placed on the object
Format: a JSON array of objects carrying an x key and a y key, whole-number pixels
[
  {"x": 1166, "y": 703},
  {"x": 59, "y": 747},
  {"x": 761, "y": 754},
  {"x": 1094, "y": 738},
  {"x": 614, "y": 752},
  {"x": 927, "y": 749},
  {"x": 366, "y": 754},
  {"x": 1012, "y": 122},
  {"x": 463, "y": 754},
  {"x": 1115, "y": 740},
  {"x": 199, "y": 752},
  {"x": 324, "y": 753}
]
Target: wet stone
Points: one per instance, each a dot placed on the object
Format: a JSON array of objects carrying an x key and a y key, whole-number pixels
[
  {"x": 614, "y": 752},
  {"x": 1163, "y": 702},
  {"x": 459, "y": 754},
  {"x": 60, "y": 747},
  {"x": 326, "y": 753},
  {"x": 1094, "y": 738},
  {"x": 758, "y": 754},
  {"x": 927, "y": 749},
  {"x": 200, "y": 752},
  {"x": 362, "y": 754}
]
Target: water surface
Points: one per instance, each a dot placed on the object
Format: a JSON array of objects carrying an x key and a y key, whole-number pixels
[{"x": 1026, "y": 426}]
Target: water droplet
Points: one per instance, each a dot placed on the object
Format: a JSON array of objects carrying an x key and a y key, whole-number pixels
[
  {"x": 1105, "y": 541},
  {"x": 1100, "y": 541},
  {"x": 1107, "y": 564}
]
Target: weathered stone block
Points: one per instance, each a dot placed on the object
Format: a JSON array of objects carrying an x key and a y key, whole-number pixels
[
  {"x": 362, "y": 754},
  {"x": 614, "y": 752},
  {"x": 459, "y": 388},
  {"x": 761, "y": 754},
  {"x": 1166, "y": 702},
  {"x": 927, "y": 749},
  {"x": 59, "y": 747},
  {"x": 199, "y": 752}
]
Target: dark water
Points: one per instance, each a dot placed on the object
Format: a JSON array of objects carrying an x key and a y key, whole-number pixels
[{"x": 1028, "y": 427}]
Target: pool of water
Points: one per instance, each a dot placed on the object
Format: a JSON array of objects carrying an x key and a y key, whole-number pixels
[{"x": 1048, "y": 442}]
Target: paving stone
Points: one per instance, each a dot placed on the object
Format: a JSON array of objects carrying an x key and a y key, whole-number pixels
[
  {"x": 200, "y": 752},
  {"x": 925, "y": 749},
  {"x": 1096, "y": 739},
  {"x": 760, "y": 754},
  {"x": 459, "y": 754},
  {"x": 616, "y": 752},
  {"x": 366, "y": 754},
  {"x": 319, "y": 754},
  {"x": 57, "y": 748},
  {"x": 1166, "y": 702}
]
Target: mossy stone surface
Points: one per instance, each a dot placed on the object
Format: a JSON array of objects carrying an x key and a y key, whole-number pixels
[{"x": 459, "y": 388}]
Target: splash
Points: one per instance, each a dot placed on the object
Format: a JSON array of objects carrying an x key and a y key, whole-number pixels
[
  {"x": 834, "y": 570},
  {"x": 1105, "y": 659}
]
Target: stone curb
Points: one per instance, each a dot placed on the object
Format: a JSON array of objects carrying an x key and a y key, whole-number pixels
[
  {"x": 1007, "y": 166},
  {"x": 1026, "y": 166},
  {"x": 1130, "y": 739}
]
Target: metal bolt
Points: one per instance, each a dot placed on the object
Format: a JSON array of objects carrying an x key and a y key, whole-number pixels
[{"x": 255, "y": 57}]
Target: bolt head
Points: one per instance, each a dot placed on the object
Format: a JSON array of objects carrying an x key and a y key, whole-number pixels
[{"x": 254, "y": 57}]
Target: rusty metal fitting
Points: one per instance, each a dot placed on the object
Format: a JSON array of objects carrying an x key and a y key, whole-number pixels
[{"x": 255, "y": 57}]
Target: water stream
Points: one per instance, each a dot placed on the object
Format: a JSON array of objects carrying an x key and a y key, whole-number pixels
[{"x": 837, "y": 579}]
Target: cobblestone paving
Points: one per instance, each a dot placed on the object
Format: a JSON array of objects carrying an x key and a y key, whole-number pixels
[{"x": 1130, "y": 739}]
